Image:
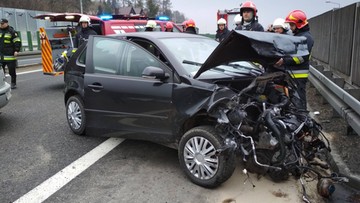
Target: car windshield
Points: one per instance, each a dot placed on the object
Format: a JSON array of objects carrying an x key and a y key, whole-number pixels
[
  {"x": 193, "y": 52},
  {"x": 190, "y": 49}
]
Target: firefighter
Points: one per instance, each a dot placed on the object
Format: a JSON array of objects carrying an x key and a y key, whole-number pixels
[
  {"x": 190, "y": 26},
  {"x": 222, "y": 31},
  {"x": 150, "y": 26},
  {"x": 279, "y": 26},
  {"x": 10, "y": 45},
  {"x": 85, "y": 31},
  {"x": 298, "y": 67},
  {"x": 237, "y": 20},
  {"x": 249, "y": 16},
  {"x": 169, "y": 27},
  {"x": 183, "y": 24}
]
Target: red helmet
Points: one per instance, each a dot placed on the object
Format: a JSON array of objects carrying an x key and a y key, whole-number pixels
[
  {"x": 249, "y": 5},
  {"x": 169, "y": 25},
  {"x": 298, "y": 18},
  {"x": 190, "y": 23}
]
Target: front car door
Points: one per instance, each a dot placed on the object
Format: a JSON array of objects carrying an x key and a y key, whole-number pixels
[{"x": 118, "y": 100}]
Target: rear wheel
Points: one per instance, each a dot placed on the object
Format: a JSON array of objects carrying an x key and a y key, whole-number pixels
[
  {"x": 197, "y": 156},
  {"x": 75, "y": 115}
]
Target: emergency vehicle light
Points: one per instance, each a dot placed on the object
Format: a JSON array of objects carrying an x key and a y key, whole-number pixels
[
  {"x": 163, "y": 18},
  {"x": 106, "y": 17},
  {"x": 69, "y": 17}
]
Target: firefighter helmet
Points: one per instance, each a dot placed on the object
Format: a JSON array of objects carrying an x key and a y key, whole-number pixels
[
  {"x": 221, "y": 21},
  {"x": 169, "y": 25},
  {"x": 237, "y": 19},
  {"x": 151, "y": 24},
  {"x": 190, "y": 23},
  {"x": 248, "y": 5},
  {"x": 280, "y": 22},
  {"x": 297, "y": 17},
  {"x": 84, "y": 19}
]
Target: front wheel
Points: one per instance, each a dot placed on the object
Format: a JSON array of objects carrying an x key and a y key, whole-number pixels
[
  {"x": 75, "y": 115},
  {"x": 198, "y": 158}
]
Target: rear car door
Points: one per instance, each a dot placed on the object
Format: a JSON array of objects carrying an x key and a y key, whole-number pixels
[{"x": 118, "y": 100}]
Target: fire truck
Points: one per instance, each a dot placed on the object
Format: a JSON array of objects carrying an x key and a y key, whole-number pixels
[
  {"x": 57, "y": 39},
  {"x": 228, "y": 15}
]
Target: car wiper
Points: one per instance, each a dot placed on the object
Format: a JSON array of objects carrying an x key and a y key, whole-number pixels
[
  {"x": 237, "y": 66},
  {"x": 239, "y": 73},
  {"x": 192, "y": 63},
  {"x": 252, "y": 70}
]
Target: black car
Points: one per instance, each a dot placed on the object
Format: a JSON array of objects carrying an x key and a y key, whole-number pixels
[{"x": 160, "y": 86}]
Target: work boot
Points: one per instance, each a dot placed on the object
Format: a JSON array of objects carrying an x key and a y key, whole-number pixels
[{"x": 13, "y": 86}]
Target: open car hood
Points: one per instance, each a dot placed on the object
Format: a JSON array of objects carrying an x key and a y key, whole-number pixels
[
  {"x": 69, "y": 17},
  {"x": 262, "y": 47}
]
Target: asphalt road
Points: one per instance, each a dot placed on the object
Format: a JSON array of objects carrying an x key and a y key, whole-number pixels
[{"x": 41, "y": 159}]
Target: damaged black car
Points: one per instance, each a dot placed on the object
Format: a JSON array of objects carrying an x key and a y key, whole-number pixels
[{"x": 209, "y": 101}]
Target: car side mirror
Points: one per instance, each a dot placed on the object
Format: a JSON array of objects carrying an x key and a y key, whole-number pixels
[{"x": 155, "y": 73}]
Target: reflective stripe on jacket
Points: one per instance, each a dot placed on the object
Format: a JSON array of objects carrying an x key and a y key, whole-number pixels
[
  {"x": 9, "y": 43},
  {"x": 299, "y": 74}
]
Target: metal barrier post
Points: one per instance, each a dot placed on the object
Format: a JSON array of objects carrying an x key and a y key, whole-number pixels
[
  {"x": 19, "y": 35},
  {"x": 30, "y": 44}
]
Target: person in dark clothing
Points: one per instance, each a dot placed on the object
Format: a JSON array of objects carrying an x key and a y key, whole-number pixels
[
  {"x": 237, "y": 20},
  {"x": 222, "y": 31},
  {"x": 10, "y": 45},
  {"x": 298, "y": 67},
  {"x": 279, "y": 26},
  {"x": 150, "y": 26},
  {"x": 190, "y": 27},
  {"x": 85, "y": 31},
  {"x": 249, "y": 20},
  {"x": 169, "y": 27}
]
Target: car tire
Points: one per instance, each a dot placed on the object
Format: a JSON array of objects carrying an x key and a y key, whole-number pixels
[
  {"x": 75, "y": 114},
  {"x": 201, "y": 165}
]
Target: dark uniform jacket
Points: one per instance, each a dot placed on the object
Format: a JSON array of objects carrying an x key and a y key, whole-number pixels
[
  {"x": 190, "y": 30},
  {"x": 9, "y": 43},
  {"x": 83, "y": 35},
  {"x": 253, "y": 26},
  {"x": 299, "y": 66},
  {"x": 221, "y": 34}
]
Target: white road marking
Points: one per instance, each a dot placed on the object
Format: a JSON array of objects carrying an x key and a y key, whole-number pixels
[
  {"x": 25, "y": 72},
  {"x": 63, "y": 177}
]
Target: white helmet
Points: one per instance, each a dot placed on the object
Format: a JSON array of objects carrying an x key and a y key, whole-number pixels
[
  {"x": 221, "y": 21},
  {"x": 84, "y": 19},
  {"x": 151, "y": 23},
  {"x": 237, "y": 19},
  {"x": 279, "y": 22}
]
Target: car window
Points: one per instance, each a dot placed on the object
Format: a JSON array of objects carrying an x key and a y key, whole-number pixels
[
  {"x": 82, "y": 57},
  {"x": 106, "y": 55},
  {"x": 136, "y": 60},
  {"x": 190, "y": 49}
]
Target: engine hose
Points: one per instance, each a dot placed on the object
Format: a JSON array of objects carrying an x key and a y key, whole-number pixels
[
  {"x": 284, "y": 101},
  {"x": 270, "y": 123},
  {"x": 295, "y": 153},
  {"x": 254, "y": 153}
]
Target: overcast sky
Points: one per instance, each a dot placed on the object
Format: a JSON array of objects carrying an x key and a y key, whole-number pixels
[{"x": 204, "y": 11}]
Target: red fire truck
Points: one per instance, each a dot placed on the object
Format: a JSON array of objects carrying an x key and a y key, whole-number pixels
[
  {"x": 228, "y": 15},
  {"x": 57, "y": 40}
]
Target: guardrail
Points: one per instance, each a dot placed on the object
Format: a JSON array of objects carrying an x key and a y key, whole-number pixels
[{"x": 343, "y": 103}]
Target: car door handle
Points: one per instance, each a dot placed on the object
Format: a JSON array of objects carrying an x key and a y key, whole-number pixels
[{"x": 96, "y": 87}]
